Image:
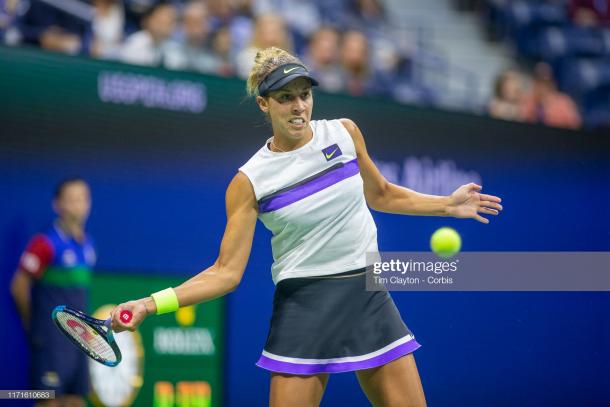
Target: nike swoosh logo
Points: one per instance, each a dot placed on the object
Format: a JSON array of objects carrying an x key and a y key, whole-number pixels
[
  {"x": 328, "y": 156},
  {"x": 286, "y": 71}
]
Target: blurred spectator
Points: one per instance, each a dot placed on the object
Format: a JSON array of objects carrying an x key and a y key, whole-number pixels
[
  {"x": 192, "y": 53},
  {"x": 367, "y": 16},
  {"x": 322, "y": 59},
  {"x": 136, "y": 10},
  {"x": 547, "y": 105},
  {"x": 269, "y": 31},
  {"x": 108, "y": 29},
  {"x": 590, "y": 13},
  {"x": 59, "y": 27},
  {"x": 354, "y": 61},
  {"x": 236, "y": 16},
  {"x": 8, "y": 11},
  {"x": 508, "y": 99},
  {"x": 333, "y": 12},
  {"x": 145, "y": 47},
  {"x": 243, "y": 7},
  {"x": 222, "y": 46},
  {"x": 302, "y": 17},
  {"x": 222, "y": 12}
]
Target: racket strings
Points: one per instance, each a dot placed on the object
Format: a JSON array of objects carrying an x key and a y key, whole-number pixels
[{"x": 87, "y": 337}]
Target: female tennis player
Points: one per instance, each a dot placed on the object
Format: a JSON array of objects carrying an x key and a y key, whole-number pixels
[{"x": 312, "y": 184}]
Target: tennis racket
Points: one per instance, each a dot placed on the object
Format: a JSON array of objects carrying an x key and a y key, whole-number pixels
[{"x": 91, "y": 335}]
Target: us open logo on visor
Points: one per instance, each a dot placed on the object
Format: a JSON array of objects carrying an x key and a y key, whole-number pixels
[{"x": 331, "y": 152}]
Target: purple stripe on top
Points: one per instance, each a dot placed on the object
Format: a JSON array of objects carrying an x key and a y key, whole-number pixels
[
  {"x": 337, "y": 367},
  {"x": 309, "y": 188}
]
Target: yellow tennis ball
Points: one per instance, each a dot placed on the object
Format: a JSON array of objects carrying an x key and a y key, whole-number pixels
[{"x": 446, "y": 242}]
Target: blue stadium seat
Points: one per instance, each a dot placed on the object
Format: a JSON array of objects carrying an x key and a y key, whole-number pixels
[
  {"x": 526, "y": 14},
  {"x": 579, "y": 77},
  {"x": 528, "y": 20},
  {"x": 557, "y": 42},
  {"x": 596, "y": 107}
]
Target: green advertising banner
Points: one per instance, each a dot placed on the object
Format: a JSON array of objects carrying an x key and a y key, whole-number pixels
[{"x": 171, "y": 360}]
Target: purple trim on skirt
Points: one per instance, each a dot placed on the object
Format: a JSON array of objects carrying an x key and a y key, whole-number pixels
[
  {"x": 337, "y": 367},
  {"x": 316, "y": 185}
]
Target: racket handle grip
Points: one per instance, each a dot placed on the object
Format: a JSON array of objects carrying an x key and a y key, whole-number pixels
[{"x": 126, "y": 316}]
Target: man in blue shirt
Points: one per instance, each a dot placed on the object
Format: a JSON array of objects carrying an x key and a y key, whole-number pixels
[{"x": 55, "y": 269}]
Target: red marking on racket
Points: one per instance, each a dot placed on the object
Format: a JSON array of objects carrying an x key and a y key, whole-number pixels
[
  {"x": 79, "y": 329},
  {"x": 126, "y": 316}
]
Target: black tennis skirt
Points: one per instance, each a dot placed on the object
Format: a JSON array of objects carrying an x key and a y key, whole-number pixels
[{"x": 332, "y": 324}]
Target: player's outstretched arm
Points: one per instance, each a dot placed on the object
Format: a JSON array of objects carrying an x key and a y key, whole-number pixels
[
  {"x": 225, "y": 274},
  {"x": 383, "y": 196}
]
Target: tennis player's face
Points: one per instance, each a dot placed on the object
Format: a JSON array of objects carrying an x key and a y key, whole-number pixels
[
  {"x": 74, "y": 203},
  {"x": 290, "y": 109}
]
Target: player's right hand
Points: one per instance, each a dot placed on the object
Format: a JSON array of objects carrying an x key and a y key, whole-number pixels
[{"x": 138, "y": 311}]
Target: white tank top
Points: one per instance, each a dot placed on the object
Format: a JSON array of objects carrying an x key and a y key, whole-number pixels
[{"x": 312, "y": 201}]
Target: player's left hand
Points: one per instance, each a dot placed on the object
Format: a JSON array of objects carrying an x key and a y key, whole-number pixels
[{"x": 467, "y": 202}]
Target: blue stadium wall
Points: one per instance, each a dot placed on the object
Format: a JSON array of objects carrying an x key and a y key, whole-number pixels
[{"x": 159, "y": 149}]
